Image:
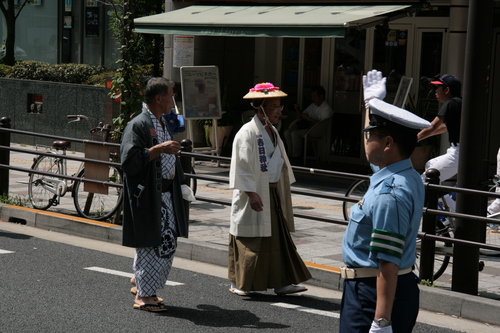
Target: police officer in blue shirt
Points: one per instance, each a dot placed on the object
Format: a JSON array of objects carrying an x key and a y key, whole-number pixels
[{"x": 380, "y": 290}]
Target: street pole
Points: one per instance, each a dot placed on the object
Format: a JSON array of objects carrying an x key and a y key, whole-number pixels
[
  {"x": 4, "y": 156},
  {"x": 473, "y": 164}
]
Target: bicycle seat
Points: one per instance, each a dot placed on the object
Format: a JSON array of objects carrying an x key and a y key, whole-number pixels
[{"x": 61, "y": 144}]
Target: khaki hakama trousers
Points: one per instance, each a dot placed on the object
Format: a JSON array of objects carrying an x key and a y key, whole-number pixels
[{"x": 259, "y": 263}]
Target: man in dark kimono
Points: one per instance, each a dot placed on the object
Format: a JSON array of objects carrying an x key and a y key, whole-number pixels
[{"x": 153, "y": 215}]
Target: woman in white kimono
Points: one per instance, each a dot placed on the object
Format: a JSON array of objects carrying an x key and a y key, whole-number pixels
[{"x": 262, "y": 254}]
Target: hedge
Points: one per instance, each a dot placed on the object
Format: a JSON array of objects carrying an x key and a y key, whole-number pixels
[{"x": 69, "y": 73}]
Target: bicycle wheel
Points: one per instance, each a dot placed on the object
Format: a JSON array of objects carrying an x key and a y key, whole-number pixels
[
  {"x": 356, "y": 191},
  {"x": 492, "y": 237},
  {"x": 97, "y": 206},
  {"x": 41, "y": 191},
  {"x": 492, "y": 232},
  {"x": 443, "y": 251}
]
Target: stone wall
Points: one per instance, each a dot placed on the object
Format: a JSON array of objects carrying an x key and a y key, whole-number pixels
[{"x": 59, "y": 100}]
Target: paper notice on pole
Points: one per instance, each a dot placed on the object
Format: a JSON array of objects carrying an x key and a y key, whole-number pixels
[{"x": 183, "y": 51}]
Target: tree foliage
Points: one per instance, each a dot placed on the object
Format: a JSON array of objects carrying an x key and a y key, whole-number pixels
[
  {"x": 11, "y": 12},
  {"x": 135, "y": 50}
]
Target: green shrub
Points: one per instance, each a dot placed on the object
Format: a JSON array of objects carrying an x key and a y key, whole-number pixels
[
  {"x": 79, "y": 73},
  {"x": 29, "y": 70},
  {"x": 4, "y": 70},
  {"x": 147, "y": 70},
  {"x": 99, "y": 79},
  {"x": 68, "y": 73},
  {"x": 427, "y": 283},
  {"x": 41, "y": 71},
  {"x": 16, "y": 200}
]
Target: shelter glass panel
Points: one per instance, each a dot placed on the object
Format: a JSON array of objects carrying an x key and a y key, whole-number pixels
[
  {"x": 430, "y": 67},
  {"x": 390, "y": 56},
  {"x": 348, "y": 70},
  {"x": 312, "y": 68},
  {"x": 290, "y": 68}
]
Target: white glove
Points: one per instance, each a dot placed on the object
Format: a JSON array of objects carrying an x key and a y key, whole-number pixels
[
  {"x": 373, "y": 85},
  {"x": 377, "y": 329},
  {"x": 187, "y": 193}
]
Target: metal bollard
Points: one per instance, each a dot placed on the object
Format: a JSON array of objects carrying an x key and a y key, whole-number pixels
[
  {"x": 186, "y": 146},
  {"x": 427, "y": 250},
  {"x": 4, "y": 156}
]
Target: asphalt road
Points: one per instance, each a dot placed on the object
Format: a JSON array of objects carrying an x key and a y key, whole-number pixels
[{"x": 57, "y": 283}]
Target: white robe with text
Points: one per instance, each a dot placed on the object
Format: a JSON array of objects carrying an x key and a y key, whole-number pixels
[{"x": 248, "y": 173}]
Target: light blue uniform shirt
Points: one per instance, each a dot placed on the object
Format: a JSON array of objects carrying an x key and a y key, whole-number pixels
[{"x": 385, "y": 223}]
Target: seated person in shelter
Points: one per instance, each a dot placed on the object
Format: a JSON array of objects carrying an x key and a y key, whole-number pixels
[{"x": 316, "y": 112}]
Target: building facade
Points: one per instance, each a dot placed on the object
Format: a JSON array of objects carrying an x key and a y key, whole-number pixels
[
  {"x": 63, "y": 31},
  {"x": 425, "y": 39},
  {"x": 421, "y": 40}
]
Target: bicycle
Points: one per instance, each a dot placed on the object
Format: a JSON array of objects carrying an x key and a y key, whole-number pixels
[
  {"x": 45, "y": 191},
  {"x": 444, "y": 228},
  {"x": 493, "y": 228}
]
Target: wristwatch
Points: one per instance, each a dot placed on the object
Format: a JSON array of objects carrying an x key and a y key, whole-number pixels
[{"x": 382, "y": 322}]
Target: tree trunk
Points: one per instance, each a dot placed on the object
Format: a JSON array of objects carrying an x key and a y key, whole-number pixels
[{"x": 10, "y": 41}]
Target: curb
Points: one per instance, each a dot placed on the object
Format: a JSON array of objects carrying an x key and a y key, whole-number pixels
[{"x": 438, "y": 300}]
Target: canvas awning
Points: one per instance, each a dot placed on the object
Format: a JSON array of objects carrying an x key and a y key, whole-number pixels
[{"x": 261, "y": 21}]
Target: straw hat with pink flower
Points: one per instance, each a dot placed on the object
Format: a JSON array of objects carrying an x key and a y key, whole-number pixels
[{"x": 264, "y": 90}]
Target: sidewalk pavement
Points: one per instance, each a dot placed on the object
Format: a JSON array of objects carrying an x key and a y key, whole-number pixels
[{"x": 319, "y": 243}]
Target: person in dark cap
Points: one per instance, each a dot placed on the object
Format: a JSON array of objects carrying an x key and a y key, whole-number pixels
[
  {"x": 448, "y": 92},
  {"x": 380, "y": 292}
]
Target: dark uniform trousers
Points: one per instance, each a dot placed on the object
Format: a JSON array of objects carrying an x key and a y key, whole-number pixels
[{"x": 359, "y": 301}]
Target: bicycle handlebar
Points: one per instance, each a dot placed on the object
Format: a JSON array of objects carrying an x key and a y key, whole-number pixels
[
  {"x": 492, "y": 182},
  {"x": 79, "y": 117}
]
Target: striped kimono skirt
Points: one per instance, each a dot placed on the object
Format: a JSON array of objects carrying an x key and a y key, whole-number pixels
[{"x": 152, "y": 264}]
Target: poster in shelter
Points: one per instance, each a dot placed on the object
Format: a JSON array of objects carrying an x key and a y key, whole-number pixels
[
  {"x": 183, "y": 51},
  {"x": 201, "y": 92}
]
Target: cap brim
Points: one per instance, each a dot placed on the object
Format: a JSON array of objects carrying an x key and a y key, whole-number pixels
[
  {"x": 369, "y": 127},
  {"x": 396, "y": 115},
  {"x": 439, "y": 83}
]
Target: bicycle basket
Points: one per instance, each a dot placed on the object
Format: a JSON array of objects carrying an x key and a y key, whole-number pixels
[
  {"x": 99, "y": 134},
  {"x": 103, "y": 134}
]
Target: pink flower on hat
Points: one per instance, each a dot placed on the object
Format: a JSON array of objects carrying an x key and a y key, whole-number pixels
[
  {"x": 264, "y": 87},
  {"x": 264, "y": 90}
]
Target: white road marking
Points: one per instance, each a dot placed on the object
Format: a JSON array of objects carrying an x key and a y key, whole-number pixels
[
  {"x": 308, "y": 310},
  {"x": 125, "y": 274},
  {"x": 5, "y": 251}
]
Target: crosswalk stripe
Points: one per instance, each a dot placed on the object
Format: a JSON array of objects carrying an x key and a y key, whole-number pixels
[
  {"x": 125, "y": 274},
  {"x": 308, "y": 310},
  {"x": 5, "y": 251}
]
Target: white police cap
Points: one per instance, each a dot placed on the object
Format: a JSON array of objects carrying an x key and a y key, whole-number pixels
[{"x": 380, "y": 109}]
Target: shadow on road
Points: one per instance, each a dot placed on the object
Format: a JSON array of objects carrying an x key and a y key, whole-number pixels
[{"x": 214, "y": 316}]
